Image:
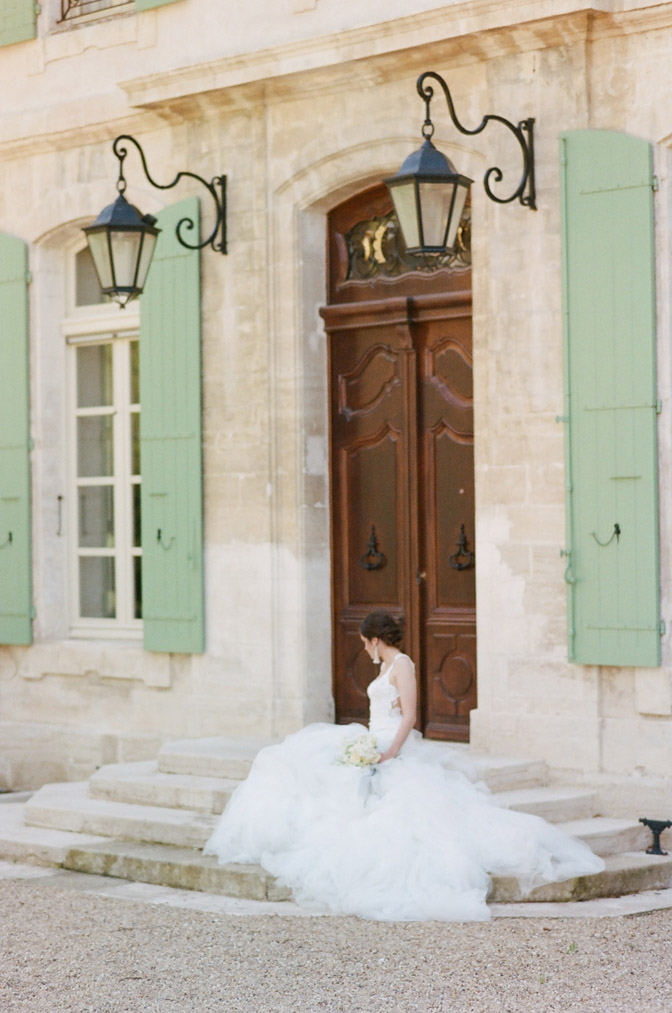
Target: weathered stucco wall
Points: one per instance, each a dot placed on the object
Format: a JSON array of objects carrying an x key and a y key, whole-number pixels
[{"x": 297, "y": 129}]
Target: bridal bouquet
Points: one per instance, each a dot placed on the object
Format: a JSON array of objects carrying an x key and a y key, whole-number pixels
[{"x": 360, "y": 752}]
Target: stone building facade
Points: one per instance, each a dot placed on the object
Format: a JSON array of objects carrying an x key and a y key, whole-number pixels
[{"x": 305, "y": 104}]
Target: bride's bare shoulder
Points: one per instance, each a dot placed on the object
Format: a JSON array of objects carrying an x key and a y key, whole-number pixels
[{"x": 403, "y": 669}]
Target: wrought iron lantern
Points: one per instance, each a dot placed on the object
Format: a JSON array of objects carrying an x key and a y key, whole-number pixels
[
  {"x": 122, "y": 239},
  {"x": 122, "y": 242},
  {"x": 429, "y": 193}
]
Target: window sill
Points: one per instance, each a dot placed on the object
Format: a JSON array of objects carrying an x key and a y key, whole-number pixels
[{"x": 104, "y": 658}]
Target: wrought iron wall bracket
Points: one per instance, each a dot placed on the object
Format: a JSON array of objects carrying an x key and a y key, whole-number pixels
[
  {"x": 372, "y": 558},
  {"x": 216, "y": 188},
  {"x": 525, "y": 192},
  {"x": 468, "y": 557}
]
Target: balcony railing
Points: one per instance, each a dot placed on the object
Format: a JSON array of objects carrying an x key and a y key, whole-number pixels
[{"x": 71, "y": 9}]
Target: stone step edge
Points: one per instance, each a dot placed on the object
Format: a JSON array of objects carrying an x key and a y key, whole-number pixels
[
  {"x": 36, "y": 845},
  {"x": 143, "y": 784},
  {"x": 181, "y": 868},
  {"x": 627, "y": 873},
  {"x": 232, "y": 758},
  {"x": 68, "y": 807},
  {"x": 185, "y": 869}
]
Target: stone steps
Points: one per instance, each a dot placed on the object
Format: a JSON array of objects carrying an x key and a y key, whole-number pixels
[
  {"x": 69, "y": 806},
  {"x": 609, "y": 836},
  {"x": 148, "y": 821},
  {"x": 231, "y": 759},
  {"x": 144, "y": 784},
  {"x": 556, "y": 805},
  {"x": 624, "y": 874},
  {"x": 215, "y": 757},
  {"x": 182, "y": 868},
  {"x": 20, "y": 842},
  {"x": 188, "y": 869}
]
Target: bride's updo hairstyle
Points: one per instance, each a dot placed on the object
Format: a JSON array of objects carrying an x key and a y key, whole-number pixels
[{"x": 384, "y": 626}]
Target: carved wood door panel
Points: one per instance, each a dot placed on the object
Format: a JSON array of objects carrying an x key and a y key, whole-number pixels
[
  {"x": 402, "y": 483},
  {"x": 446, "y": 520}
]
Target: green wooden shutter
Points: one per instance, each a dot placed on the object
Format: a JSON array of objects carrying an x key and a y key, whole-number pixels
[
  {"x": 15, "y": 556},
  {"x": 610, "y": 377},
  {"x": 170, "y": 441},
  {"x": 17, "y": 21},
  {"x": 145, "y": 5}
]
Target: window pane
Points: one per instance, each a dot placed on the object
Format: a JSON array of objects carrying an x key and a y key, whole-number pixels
[
  {"x": 87, "y": 287},
  {"x": 96, "y": 587},
  {"x": 96, "y": 517},
  {"x": 135, "y": 372},
  {"x": 135, "y": 443},
  {"x": 136, "y": 517},
  {"x": 94, "y": 446},
  {"x": 137, "y": 586},
  {"x": 94, "y": 376}
]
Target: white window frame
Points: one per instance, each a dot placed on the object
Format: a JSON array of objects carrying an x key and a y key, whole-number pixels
[{"x": 91, "y": 325}]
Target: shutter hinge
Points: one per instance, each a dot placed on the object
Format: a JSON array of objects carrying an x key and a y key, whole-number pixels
[
  {"x": 662, "y": 628},
  {"x": 31, "y": 443},
  {"x": 562, "y": 418},
  {"x": 33, "y": 612},
  {"x": 655, "y": 186},
  {"x": 38, "y": 8},
  {"x": 29, "y": 277},
  {"x": 659, "y": 407}
]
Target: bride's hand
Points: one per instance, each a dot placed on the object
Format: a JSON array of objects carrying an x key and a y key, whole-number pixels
[{"x": 387, "y": 755}]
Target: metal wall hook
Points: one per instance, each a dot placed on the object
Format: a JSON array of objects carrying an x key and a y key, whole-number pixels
[
  {"x": 159, "y": 538},
  {"x": 616, "y": 533},
  {"x": 461, "y": 551},
  {"x": 7, "y": 541},
  {"x": 372, "y": 558}
]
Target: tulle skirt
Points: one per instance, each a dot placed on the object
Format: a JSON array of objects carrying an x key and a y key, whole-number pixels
[{"x": 411, "y": 839}]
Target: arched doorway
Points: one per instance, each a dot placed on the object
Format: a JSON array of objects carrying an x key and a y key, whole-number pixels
[{"x": 401, "y": 460}]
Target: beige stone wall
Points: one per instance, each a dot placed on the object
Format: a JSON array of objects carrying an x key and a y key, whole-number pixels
[{"x": 299, "y": 119}]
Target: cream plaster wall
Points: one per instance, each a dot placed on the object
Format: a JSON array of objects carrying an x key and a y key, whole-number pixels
[{"x": 324, "y": 105}]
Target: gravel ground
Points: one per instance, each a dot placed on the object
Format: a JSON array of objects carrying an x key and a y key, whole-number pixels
[{"x": 62, "y": 950}]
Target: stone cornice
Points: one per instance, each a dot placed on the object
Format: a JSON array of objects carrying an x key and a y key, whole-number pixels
[
  {"x": 467, "y": 31},
  {"x": 476, "y": 30}
]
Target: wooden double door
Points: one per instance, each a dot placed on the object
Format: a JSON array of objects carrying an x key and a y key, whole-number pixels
[{"x": 402, "y": 496}]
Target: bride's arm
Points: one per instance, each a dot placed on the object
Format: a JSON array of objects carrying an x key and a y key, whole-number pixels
[{"x": 404, "y": 679}]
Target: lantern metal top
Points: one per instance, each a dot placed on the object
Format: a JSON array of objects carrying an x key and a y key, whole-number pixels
[
  {"x": 427, "y": 162},
  {"x": 122, "y": 216}
]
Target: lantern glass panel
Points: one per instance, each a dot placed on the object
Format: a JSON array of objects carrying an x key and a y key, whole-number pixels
[
  {"x": 435, "y": 200},
  {"x": 146, "y": 254},
  {"x": 460, "y": 200},
  {"x": 100, "y": 252},
  {"x": 125, "y": 252},
  {"x": 403, "y": 195}
]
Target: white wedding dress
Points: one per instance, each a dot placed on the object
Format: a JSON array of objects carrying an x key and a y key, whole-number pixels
[{"x": 410, "y": 839}]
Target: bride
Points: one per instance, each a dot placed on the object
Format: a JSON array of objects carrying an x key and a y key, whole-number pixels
[{"x": 383, "y": 824}]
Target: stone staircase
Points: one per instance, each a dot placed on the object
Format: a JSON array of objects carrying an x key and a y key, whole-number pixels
[{"x": 148, "y": 821}]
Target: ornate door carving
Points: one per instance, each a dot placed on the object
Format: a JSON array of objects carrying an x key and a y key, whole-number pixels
[{"x": 402, "y": 504}]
